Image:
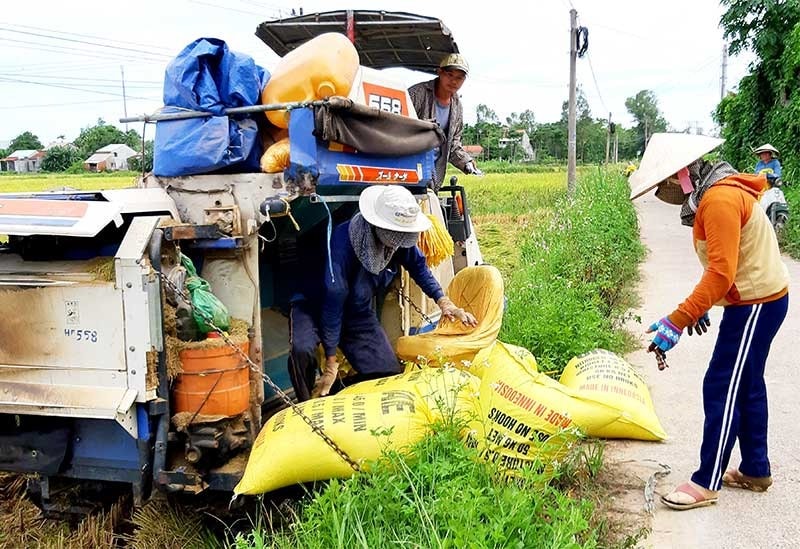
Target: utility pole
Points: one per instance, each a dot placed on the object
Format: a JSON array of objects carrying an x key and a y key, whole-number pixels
[
  {"x": 723, "y": 78},
  {"x": 571, "y": 138},
  {"x": 608, "y": 137},
  {"x": 124, "y": 97},
  {"x": 616, "y": 147}
]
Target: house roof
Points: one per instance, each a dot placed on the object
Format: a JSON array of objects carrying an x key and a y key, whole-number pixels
[
  {"x": 97, "y": 157},
  {"x": 103, "y": 153},
  {"x": 110, "y": 148},
  {"x": 473, "y": 149},
  {"x": 21, "y": 154}
]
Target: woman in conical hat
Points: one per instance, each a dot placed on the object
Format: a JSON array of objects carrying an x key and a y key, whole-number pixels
[
  {"x": 743, "y": 273},
  {"x": 768, "y": 163}
]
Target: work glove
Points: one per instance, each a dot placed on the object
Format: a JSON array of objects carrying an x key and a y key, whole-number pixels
[
  {"x": 667, "y": 335},
  {"x": 324, "y": 383},
  {"x": 472, "y": 169},
  {"x": 452, "y": 312},
  {"x": 702, "y": 325}
]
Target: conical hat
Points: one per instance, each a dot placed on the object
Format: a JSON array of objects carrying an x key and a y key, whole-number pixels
[
  {"x": 766, "y": 148},
  {"x": 667, "y": 153}
]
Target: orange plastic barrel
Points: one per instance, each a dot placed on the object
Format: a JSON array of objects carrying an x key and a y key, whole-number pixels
[
  {"x": 214, "y": 381},
  {"x": 324, "y": 66}
]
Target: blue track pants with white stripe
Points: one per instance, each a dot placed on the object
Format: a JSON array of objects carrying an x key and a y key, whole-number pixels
[{"x": 734, "y": 392}]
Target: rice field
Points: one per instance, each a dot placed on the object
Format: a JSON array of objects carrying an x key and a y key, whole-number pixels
[
  {"x": 505, "y": 209},
  {"x": 59, "y": 181}
]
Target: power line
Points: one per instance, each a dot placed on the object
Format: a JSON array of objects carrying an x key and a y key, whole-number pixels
[
  {"x": 61, "y": 66},
  {"x": 16, "y": 80},
  {"x": 227, "y": 8},
  {"x": 65, "y": 104},
  {"x": 53, "y": 48},
  {"x": 81, "y": 78},
  {"x": 151, "y": 46},
  {"x": 77, "y": 41},
  {"x": 596, "y": 86}
]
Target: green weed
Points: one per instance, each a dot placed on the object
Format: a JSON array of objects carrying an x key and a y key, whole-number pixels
[
  {"x": 439, "y": 496},
  {"x": 571, "y": 291}
]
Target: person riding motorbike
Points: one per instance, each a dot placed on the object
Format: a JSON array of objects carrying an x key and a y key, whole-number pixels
[
  {"x": 768, "y": 163},
  {"x": 772, "y": 200}
]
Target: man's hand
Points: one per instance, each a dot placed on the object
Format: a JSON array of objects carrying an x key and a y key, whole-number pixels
[
  {"x": 702, "y": 325},
  {"x": 323, "y": 385},
  {"x": 451, "y": 312},
  {"x": 472, "y": 169},
  {"x": 667, "y": 335}
]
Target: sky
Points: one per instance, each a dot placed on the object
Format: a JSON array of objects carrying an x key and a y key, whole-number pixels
[{"x": 62, "y": 62}]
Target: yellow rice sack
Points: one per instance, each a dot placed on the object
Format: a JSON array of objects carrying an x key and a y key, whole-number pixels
[
  {"x": 276, "y": 157},
  {"x": 523, "y": 357},
  {"x": 478, "y": 290},
  {"x": 526, "y": 418},
  {"x": 607, "y": 378},
  {"x": 364, "y": 420}
]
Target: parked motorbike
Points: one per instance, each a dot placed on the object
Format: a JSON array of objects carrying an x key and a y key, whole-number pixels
[{"x": 774, "y": 203}]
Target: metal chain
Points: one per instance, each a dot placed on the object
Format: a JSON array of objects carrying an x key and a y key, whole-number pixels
[
  {"x": 283, "y": 396},
  {"x": 404, "y": 297}
]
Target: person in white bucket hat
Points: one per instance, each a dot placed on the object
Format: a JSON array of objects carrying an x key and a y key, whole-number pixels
[
  {"x": 768, "y": 162},
  {"x": 366, "y": 254},
  {"x": 744, "y": 273}
]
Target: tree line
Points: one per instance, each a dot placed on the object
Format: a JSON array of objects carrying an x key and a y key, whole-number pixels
[
  {"x": 549, "y": 139},
  {"x": 69, "y": 157},
  {"x": 766, "y": 106}
]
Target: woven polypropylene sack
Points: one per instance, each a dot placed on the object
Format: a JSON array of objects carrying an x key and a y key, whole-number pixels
[
  {"x": 607, "y": 378},
  {"x": 478, "y": 290},
  {"x": 364, "y": 420},
  {"x": 527, "y": 419}
]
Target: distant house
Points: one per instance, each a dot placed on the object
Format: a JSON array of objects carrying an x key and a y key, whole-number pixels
[
  {"x": 110, "y": 158},
  {"x": 59, "y": 142},
  {"x": 474, "y": 150},
  {"x": 22, "y": 161}
]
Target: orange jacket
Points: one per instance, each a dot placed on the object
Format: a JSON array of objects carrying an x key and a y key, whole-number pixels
[{"x": 737, "y": 247}]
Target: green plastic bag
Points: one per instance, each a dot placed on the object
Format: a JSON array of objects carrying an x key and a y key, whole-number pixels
[{"x": 205, "y": 305}]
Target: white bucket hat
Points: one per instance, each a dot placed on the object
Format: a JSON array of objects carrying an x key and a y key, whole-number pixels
[
  {"x": 392, "y": 208},
  {"x": 667, "y": 153},
  {"x": 766, "y": 148}
]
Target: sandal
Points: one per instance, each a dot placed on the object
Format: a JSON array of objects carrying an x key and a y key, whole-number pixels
[
  {"x": 735, "y": 479},
  {"x": 687, "y": 489}
]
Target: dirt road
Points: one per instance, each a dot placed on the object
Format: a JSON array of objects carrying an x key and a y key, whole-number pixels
[{"x": 741, "y": 519}]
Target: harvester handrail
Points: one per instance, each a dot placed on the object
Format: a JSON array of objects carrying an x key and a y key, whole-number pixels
[{"x": 185, "y": 114}]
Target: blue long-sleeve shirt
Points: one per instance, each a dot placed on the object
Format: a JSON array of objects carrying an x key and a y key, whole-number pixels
[
  {"x": 350, "y": 293},
  {"x": 771, "y": 167}
]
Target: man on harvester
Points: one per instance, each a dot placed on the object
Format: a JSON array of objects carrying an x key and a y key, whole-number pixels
[{"x": 438, "y": 100}]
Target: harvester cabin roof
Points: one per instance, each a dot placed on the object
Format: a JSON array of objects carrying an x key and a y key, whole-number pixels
[{"x": 383, "y": 39}]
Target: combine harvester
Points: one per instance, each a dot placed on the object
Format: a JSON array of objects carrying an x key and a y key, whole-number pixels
[{"x": 88, "y": 398}]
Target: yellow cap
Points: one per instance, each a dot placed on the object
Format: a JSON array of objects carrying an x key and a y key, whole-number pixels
[{"x": 455, "y": 61}]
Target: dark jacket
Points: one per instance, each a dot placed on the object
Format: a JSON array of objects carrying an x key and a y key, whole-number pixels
[{"x": 349, "y": 295}]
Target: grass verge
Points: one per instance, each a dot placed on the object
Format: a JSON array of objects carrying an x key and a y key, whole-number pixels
[
  {"x": 572, "y": 289},
  {"x": 444, "y": 496}
]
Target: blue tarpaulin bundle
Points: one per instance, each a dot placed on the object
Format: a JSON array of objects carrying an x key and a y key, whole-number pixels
[{"x": 207, "y": 76}]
